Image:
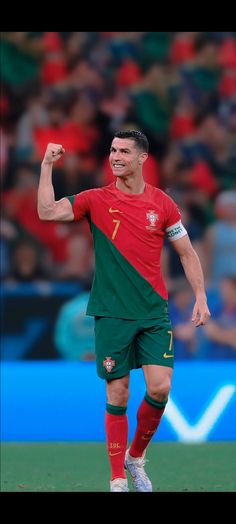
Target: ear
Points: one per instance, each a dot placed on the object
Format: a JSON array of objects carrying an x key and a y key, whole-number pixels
[{"x": 142, "y": 158}]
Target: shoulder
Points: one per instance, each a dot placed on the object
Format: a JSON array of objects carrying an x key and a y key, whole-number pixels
[
  {"x": 94, "y": 192},
  {"x": 161, "y": 196},
  {"x": 156, "y": 191}
]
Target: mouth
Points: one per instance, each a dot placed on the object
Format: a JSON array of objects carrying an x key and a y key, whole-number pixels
[
  {"x": 118, "y": 166},
  {"x": 118, "y": 169}
]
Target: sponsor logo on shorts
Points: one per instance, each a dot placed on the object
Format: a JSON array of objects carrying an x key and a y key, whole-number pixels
[
  {"x": 108, "y": 363},
  {"x": 165, "y": 355}
]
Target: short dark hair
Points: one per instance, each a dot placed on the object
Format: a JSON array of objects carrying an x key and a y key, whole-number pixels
[{"x": 139, "y": 138}]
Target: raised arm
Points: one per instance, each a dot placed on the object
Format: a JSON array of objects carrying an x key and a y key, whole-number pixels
[
  {"x": 193, "y": 271},
  {"x": 48, "y": 207}
]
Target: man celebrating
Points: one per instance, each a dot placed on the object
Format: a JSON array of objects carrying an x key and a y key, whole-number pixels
[{"x": 129, "y": 220}]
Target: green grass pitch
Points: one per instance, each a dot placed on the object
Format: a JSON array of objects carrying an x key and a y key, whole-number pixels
[{"x": 84, "y": 467}]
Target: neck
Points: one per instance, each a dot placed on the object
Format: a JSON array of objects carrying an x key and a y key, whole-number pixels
[{"x": 131, "y": 184}]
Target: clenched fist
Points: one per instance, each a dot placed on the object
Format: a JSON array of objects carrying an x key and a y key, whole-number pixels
[{"x": 53, "y": 153}]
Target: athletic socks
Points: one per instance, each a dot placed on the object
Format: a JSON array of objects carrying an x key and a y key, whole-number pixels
[
  {"x": 148, "y": 419},
  {"x": 116, "y": 426}
]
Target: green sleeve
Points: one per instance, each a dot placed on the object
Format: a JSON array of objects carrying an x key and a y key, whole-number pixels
[{"x": 71, "y": 199}]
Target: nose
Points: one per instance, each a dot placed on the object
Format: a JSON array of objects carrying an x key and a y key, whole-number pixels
[{"x": 117, "y": 156}]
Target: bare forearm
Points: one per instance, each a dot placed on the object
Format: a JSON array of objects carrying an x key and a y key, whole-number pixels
[
  {"x": 193, "y": 271},
  {"x": 48, "y": 208},
  {"x": 46, "y": 196}
]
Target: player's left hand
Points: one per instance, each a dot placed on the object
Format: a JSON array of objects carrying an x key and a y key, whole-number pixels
[{"x": 201, "y": 313}]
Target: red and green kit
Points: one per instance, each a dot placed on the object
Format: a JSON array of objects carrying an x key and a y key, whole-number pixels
[{"x": 128, "y": 233}]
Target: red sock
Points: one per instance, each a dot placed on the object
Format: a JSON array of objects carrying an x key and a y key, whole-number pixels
[
  {"x": 117, "y": 437},
  {"x": 148, "y": 418}
]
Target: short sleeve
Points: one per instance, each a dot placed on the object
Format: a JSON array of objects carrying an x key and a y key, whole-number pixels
[
  {"x": 80, "y": 204},
  {"x": 173, "y": 214}
]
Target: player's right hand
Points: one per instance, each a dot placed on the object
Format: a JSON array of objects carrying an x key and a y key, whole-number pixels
[{"x": 53, "y": 153}]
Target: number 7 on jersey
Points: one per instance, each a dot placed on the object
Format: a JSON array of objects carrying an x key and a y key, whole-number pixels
[{"x": 117, "y": 225}]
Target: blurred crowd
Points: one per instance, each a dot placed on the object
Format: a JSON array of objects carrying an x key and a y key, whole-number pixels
[{"x": 77, "y": 89}]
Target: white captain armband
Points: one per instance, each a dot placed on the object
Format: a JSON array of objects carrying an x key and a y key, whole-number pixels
[{"x": 176, "y": 231}]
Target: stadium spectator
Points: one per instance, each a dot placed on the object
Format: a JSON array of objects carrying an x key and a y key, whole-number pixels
[
  {"x": 74, "y": 331},
  {"x": 27, "y": 264},
  {"x": 79, "y": 264},
  {"x": 20, "y": 206},
  {"x": 219, "y": 342},
  {"x": 220, "y": 239}
]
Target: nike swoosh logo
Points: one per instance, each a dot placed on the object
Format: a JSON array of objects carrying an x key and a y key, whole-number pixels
[
  {"x": 149, "y": 434},
  {"x": 113, "y": 454},
  {"x": 111, "y": 210},
  {"x": 168, "y": 356}
]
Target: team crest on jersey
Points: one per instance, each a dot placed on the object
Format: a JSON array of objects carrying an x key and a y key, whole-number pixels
[
  {"x": 152, "y": 217},
  {"x": 109, "y": 364}
]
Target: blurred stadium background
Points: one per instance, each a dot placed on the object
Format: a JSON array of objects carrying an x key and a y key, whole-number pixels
[{"x": 77, "y": 89}]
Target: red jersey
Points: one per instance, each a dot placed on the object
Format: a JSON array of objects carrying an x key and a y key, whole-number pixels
[{"x": 128, "y": 232}]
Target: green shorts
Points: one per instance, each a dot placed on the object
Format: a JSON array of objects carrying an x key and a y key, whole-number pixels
[{"x": 122, "y": 345}]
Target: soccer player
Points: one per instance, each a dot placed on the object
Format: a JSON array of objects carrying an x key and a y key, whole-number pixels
[{"x": 129, "y": 220}]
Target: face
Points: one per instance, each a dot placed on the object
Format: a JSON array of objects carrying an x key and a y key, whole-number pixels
[{"x": 125, "y": 158}]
